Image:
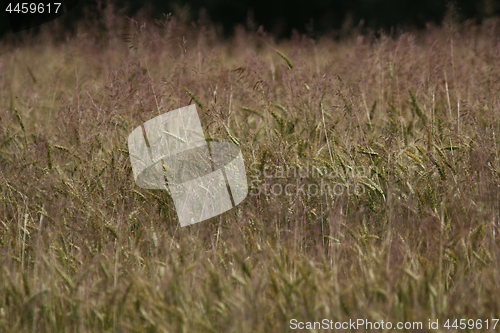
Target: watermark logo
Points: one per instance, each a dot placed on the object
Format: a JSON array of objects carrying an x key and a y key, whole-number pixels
[{"x": 204, "y": 180}]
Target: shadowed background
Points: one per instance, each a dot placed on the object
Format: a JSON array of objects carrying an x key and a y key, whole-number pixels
[{"x": 281, "y": 17}]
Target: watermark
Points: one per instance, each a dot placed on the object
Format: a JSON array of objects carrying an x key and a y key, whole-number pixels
[
  {"x": 309, "y": 180},
  {"x": 327, "y": 324},
  {"x": 24, "y": 15},
  {"x": 365, "y": 324},
  {"x": 204, "y": 180}
]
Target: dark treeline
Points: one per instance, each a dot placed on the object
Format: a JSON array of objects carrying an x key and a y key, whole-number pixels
[{"x": 280, "y": 17}]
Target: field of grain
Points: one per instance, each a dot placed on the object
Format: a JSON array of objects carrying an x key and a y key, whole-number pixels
[{"x": 409, "y": 119}]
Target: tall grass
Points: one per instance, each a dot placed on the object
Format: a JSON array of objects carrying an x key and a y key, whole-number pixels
[{"x": 83, "y": 249}]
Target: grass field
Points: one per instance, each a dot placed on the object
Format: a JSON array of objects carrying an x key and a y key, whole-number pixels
[{"x": 410, "y": 120}]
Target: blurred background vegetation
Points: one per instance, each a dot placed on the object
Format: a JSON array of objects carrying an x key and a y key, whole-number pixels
[{"x": 281, "y": 17}]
